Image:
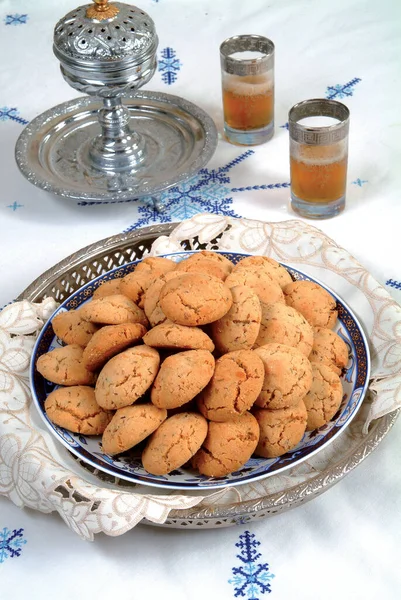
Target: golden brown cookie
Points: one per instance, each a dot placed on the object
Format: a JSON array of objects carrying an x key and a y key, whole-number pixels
[
  {"x": 324, "y": 398},
  {"x": 283, "y": 324},
  {"x": 109, "y": 341},
  {"x": 329, "y": 349},
  {"x": 65, "y": 366},
  {"x": 113, "y": 310},
  {"x": 172, "y": 335},
  {"x": 75, "y": 408},
  {"x": 223, "y": 263},
  {"x": 151, "y": 304},
  {"x": 266, "y": 288},
  {"x": 236, "y": 383},
  {"x": 313, "y": 302},
  {"x": 228, "y": 446},
  {"x": 280, "y": 430},
  {"x": 195, "y": 299},
  {"x": 181, "y": 377},
  {"x": 288, "y": 376},
  {"x": 239, "y": 328},
  {"x": 202, "y": 265},
  {"x": 71, "y": 328},
  {"x": 107, "y": 288},
  {"x": 126, "y": 377},
  {"x": 131, "y": 425},
  {"x": 135, "y": 285},
  {"x": 157, "y": 265},
  {"x": 271, "y": 266},
  {"x": 174, "y": 443}
]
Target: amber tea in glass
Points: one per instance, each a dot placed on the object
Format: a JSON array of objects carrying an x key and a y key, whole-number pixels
[
  {"x": 247, "y": 63},
  {"x": 318, "y": 157}
]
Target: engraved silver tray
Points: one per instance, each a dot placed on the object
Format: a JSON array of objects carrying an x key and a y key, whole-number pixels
[{"x": 79, "y": 268}]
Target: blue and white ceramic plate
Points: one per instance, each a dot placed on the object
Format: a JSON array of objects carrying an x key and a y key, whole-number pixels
[{"x": 128, "y": 466}]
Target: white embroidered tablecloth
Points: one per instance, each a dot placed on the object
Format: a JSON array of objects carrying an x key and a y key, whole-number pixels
[{"x": 344, "y": 544}]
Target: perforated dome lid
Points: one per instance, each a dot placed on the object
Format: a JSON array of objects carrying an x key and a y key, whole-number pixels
[{"x": 104, "y": 33}]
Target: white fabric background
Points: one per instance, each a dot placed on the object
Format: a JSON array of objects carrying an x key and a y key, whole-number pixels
[{"x": 346, "y": 543}]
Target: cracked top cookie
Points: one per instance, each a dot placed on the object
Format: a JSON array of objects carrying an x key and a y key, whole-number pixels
[
  {"x": 225, "y": 266},
  {"x": 151, "y": 304},
  {"x": 109, "y": 341},
  {"x": 195, "y": 299},
  {"x": 172, "y": 335},
  {"x": 324, "y": 398},
  {"x": 236, "y": 383},
  {"x": 258, "y": 279},
  {"x": 313, "y": 302},
  {"x": 65, "y": 366},
  {"x": 71, "y": 328},
  {"x": 283, "y": 324},
  {"x": 271, "y": 266},
  {"x": 288, "y": 376},
  {"x": 135, "y": 284},
  {"x": 130, "y": 425},
  {"x": 329, "y": 349},
  {"x": 113, "y": 310},
  {"x": 280, "y": 430},
  {"x": 107, "y": 288}
]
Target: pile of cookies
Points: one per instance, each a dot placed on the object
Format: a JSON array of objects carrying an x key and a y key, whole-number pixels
[{"x": 202, "y": 361}]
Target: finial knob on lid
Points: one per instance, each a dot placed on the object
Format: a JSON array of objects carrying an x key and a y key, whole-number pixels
[{"x": 102, "y": 10}]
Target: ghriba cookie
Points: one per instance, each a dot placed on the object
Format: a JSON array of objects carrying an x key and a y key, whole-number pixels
[
  {"x": 65, "y": 366},
  {"x": 174, "y": 443},
  {"x": 151, "y": 304},
  {"x": 223, "y": 262},
  {"x": 109, "y": 341},
  {"x": 288, "y": 376},
  {"x": 236, "y": 383},
  {"x": 107, "y": 288},
  {"x": 280, "y": 430},
  {"x": 271, "y": 266},
  {"x": 75, "y": 408},
  {"x": 313, "y": 302},
  {"x": 113, "y": 310},
  {"x": 181, "y": 377},
  {"x": 131, "y": 425},
  {"x": 172, "y": 335},
  {"x": 202, "y": 265},
  {"x": 71, "y": 328},
  {"x": 135, "y": 284},
  {"x": 239, "y": 328},
  {"x": 228, "y": 446},
  {"x": 283, "y": 324},
  {"x": 266, "y": 288},
  {"x": 126, "y": 377},
  {"x": 329, "y": 349},
  {"x": 195, "y": 299},
  {"x": 324, "y": 398}
]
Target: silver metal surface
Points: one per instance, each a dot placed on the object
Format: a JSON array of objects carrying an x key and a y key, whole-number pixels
[
  {"x": 74, "y": 271},
  {"x": 55, "y": 151},
  {"x": 318, "y": 136},
  {"x": 247, "y": 43}
]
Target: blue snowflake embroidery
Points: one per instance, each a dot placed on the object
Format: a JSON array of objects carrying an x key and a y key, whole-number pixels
[
  {"x": 14, "y": 206},
  {"x": 285, "y": 126},
  {"x": 360, "y": 182},
  {"x": 251, "y": 579},
  {"x": 169, "y": 65},
  {"x": 11, "y": 543},
  {"x": 16, "y": 19},
  {"x": 342, "y": 91},
  {"x": 12, "y": 114},
  {"x": 394, "y": 284}
]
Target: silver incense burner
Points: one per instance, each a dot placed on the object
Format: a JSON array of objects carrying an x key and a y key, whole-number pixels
[{"x": 118, "y": 143}]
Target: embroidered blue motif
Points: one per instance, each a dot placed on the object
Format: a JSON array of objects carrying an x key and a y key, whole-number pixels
[
  {"x": 14, "y": 206},
  {"x": 11, "y": 543},
  {"x": 360, "y": 182},
  {"x": 251, "y": 579},
  {"x": 394, "y": 284},
  {"x": 16, "y": 19},
  {"x": 169, "y": 65},
  {"x": 342, "y": 91},
  {"x": 12, "y": 114},
  {"x": 285, "y": 126}
]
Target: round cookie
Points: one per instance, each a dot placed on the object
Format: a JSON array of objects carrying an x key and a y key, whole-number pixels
[
  {"x": 151, "y": 304},
  {"x": 113, "y": 310},
  {"x": 131, "y": 425},
  {"x": 135, "y": 285},
  {"x": 181, "y": 377},
  {"x": 109, "y": 341},
  {"x": 271, "y": 266},
  {"x": 203, "y": 265},
  {"x": 329, "y": 349},
  {"x": 283, "y": 324},
  {"x": 228, "y": 446},
  {"x": 107, "y": 288},
  {"x": 288, "y": 376},
  {"x": 324, "y": 398},
  {"x": 195, "y": 299},
  {"x": 224, "y": 263},
  {"x": 172, "y": 335},
  {"x": 65, "y": 366},
  {"x": 280, "y": 430},
  {"x": 75, "y": 408},
  {"x": 126, "y": 377},
  {"x": 313, "y": 302},
  {"x": 174, "y": 443},
  {"x": 71, "y": 328},
  {"x": 239, "y": 328},
  {"x": 236, "y": 383},
  {"x": 266, "y": 288},
  {"x": 157, "y": 265}
]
